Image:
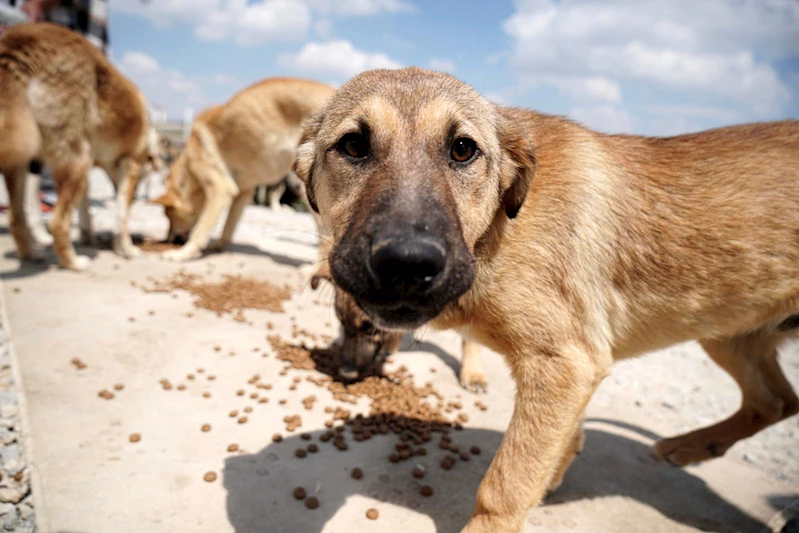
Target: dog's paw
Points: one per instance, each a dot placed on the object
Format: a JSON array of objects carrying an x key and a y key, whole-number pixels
[
  {"x": 127, "y": 250},
  {"x": 473, "y": 380},
  {"x": 686, "y": 449},
  {"x": 180, "y": 255},
  {"x": 79, "y": 263}
]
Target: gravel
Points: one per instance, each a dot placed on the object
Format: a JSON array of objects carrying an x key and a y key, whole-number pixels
[{"x": 16, "y": 504}]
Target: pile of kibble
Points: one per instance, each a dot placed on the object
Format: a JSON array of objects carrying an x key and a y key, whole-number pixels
[{"x": 416, "y": 416}]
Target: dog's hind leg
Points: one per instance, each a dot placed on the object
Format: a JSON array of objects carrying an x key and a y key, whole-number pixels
[
  {"x": 233, "y": 217},
  {"x": 767, "y": 398},
  {"x": 19, "y": 226},
  {"x": 128, "y": 176},
  {"x": 71, "y": 180}
]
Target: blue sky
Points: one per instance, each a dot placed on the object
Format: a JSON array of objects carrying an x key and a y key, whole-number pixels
[{"x": 642, "y": 66}]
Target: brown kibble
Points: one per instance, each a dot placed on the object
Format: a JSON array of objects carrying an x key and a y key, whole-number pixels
[
  {"x": 181, "y": 387},
  {"x": 356, "y": 473},
  {"x": 217, "y": 348},
  {"x": 254, "y": 395},
  {"x": 189, "y": 315},
  {"x": 200, "y": 370},
  {"x": 206, "y": 395},
  {"x": 463, "y": 417},
  {"x": 277, "y": 437},
  {"x": 426, "y": 490},
  {"x": 242, "y": 420},
  {"x": 106, "y": 394},
  {"x": 418, "y": 472},
  {"x": 134, "y": 437},
  {"x": 464, "y": 455},
  {"x": 313, "y": 448},
  {"x": 233, "y": 448},
  {"x": 293, "y": 387},
  {"x": 312, "y": 502},
  {"x": 394, "y": 458},
  {"x": 234, "y": 413},
  {"x": 299, "y": 493},
  {"x": 77, "y": 363},
  {"x": 300, "y": 452},
  {"x": 263, "y": 400},
  {"x": 206, "y": 428},
  {"x": 240, "y": 392},
  {"x": 282, "y": 402},
  {"x": 151, "y": 312},
  {"x": 119, "y": 386},
  {"x": 131, "y": 319},
  {"x": 210, "y": 477},
  {"x": 305, "y": 436},
  {"x": 269, "y": 325},
  {"x": 17, "y": 290},
  {"x": 372, "y": 514},
  {"x": 475, "y": 450},
  {"x": 211, "y": 377},
  {"x": 190, "y": 377}
]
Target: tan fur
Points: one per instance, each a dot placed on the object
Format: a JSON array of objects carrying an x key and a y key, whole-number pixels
[
  {"x": 233, "y": 148},
  {"x": 62, "y": 102},
  {"x": 623, "y": 244}
]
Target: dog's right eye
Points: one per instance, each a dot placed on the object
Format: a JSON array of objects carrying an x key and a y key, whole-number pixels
[{"x": 354, "y": 145}]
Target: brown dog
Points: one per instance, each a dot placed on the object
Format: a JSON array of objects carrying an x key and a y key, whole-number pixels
[
  {"x": 62, "y": 102},
  {"x": 233, "y": 148},
  {"x": 562, "y": 249},
  {"x": 364, "y": 345}
]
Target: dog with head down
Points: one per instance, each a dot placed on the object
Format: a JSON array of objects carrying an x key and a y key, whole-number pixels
[
  {"x": 563, "y": 249},
  {"x": 364, "y": 346}
]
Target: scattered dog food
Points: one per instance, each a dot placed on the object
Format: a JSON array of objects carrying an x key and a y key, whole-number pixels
[
  {"x": 299, "y": 493},
  {"x": 206, "y": 394},
  {"x": 242, "y": 420},
  {"x": 372, "y": 514},
  {"x": 210, "y": 477},
  {"x": 248, "y": 409},
  {"x": 300, "y": 452},
  {"x": 313, "y": 448},
  {"x": 475, "y": 450},
  {"x": 312, "y": 502},
  {"x": 206, "y": 428},
  {"x": 277, "y": 437},
  {"x": 233, "y": 448},
  {"x": 106, "y": 394},
  {"x": 134, "y": 437},
  {"x": 426, "y": 490},
  {"x": 293, "y": 422},
  {"x": 234, "y": 413},
  {"x": 418, "y": 472},
  {"x": 232, "y": 295},
  {"x": 356, "y": 473},
  {"x": 77, "y": 363},
  {"x": 119, "y": 386}
]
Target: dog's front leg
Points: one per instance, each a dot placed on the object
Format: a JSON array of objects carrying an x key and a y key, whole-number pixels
[{"x": 553, "y": 389}]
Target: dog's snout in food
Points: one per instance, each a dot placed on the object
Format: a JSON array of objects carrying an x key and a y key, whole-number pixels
[{"x": 407, "y": 264}]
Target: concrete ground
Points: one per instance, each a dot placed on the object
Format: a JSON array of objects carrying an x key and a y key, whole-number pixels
[{"x": 89, "y": 478}]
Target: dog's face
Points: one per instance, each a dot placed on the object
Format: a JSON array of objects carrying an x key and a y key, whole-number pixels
[
  {"x": 408, "y": 169},
  {"x": 182, "y": 203},
  {"x": 363, "y": 345}
]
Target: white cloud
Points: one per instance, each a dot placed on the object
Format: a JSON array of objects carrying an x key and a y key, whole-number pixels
[
  {"x": 252, "y": 23},
  {"x": 361, "y": 7},
  {"x": 323, "y": 28},
  {"x": 223, "y": 79},
  {"x": 712, "y": 48},
  {"x": 605, "y": 118},
  {"x": 336, "y": 60},
  {"x": 163, "y": 87},
  {"x": 444, "y": 65}
]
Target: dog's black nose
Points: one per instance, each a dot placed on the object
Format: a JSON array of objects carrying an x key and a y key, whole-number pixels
[{"x": 407, "y": 265}]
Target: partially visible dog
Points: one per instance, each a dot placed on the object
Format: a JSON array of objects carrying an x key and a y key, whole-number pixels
[
  {"x": 63, "y": 103},
  {"x": 563, "y": 249},
  {"x": 365, "y": 346},
  {"x": 234, "y": 148}
]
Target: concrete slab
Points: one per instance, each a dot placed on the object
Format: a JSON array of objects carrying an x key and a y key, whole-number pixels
[{"x": 93, "y": 480}]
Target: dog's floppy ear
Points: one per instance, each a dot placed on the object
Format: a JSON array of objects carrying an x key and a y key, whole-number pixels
[
  {"x": 518, "y": 165},
  {"x": 306, "y": 156}
]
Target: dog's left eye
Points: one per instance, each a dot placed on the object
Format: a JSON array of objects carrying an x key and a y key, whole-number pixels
[{"x": 463, "y": 150}]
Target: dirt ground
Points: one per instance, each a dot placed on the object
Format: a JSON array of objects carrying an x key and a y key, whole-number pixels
[{"x": 88, "y": 477}]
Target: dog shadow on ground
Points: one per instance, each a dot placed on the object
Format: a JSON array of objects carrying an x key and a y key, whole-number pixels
[
  {"x": 259, "y": 485},
  {"x": 248, "y": 249}
]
